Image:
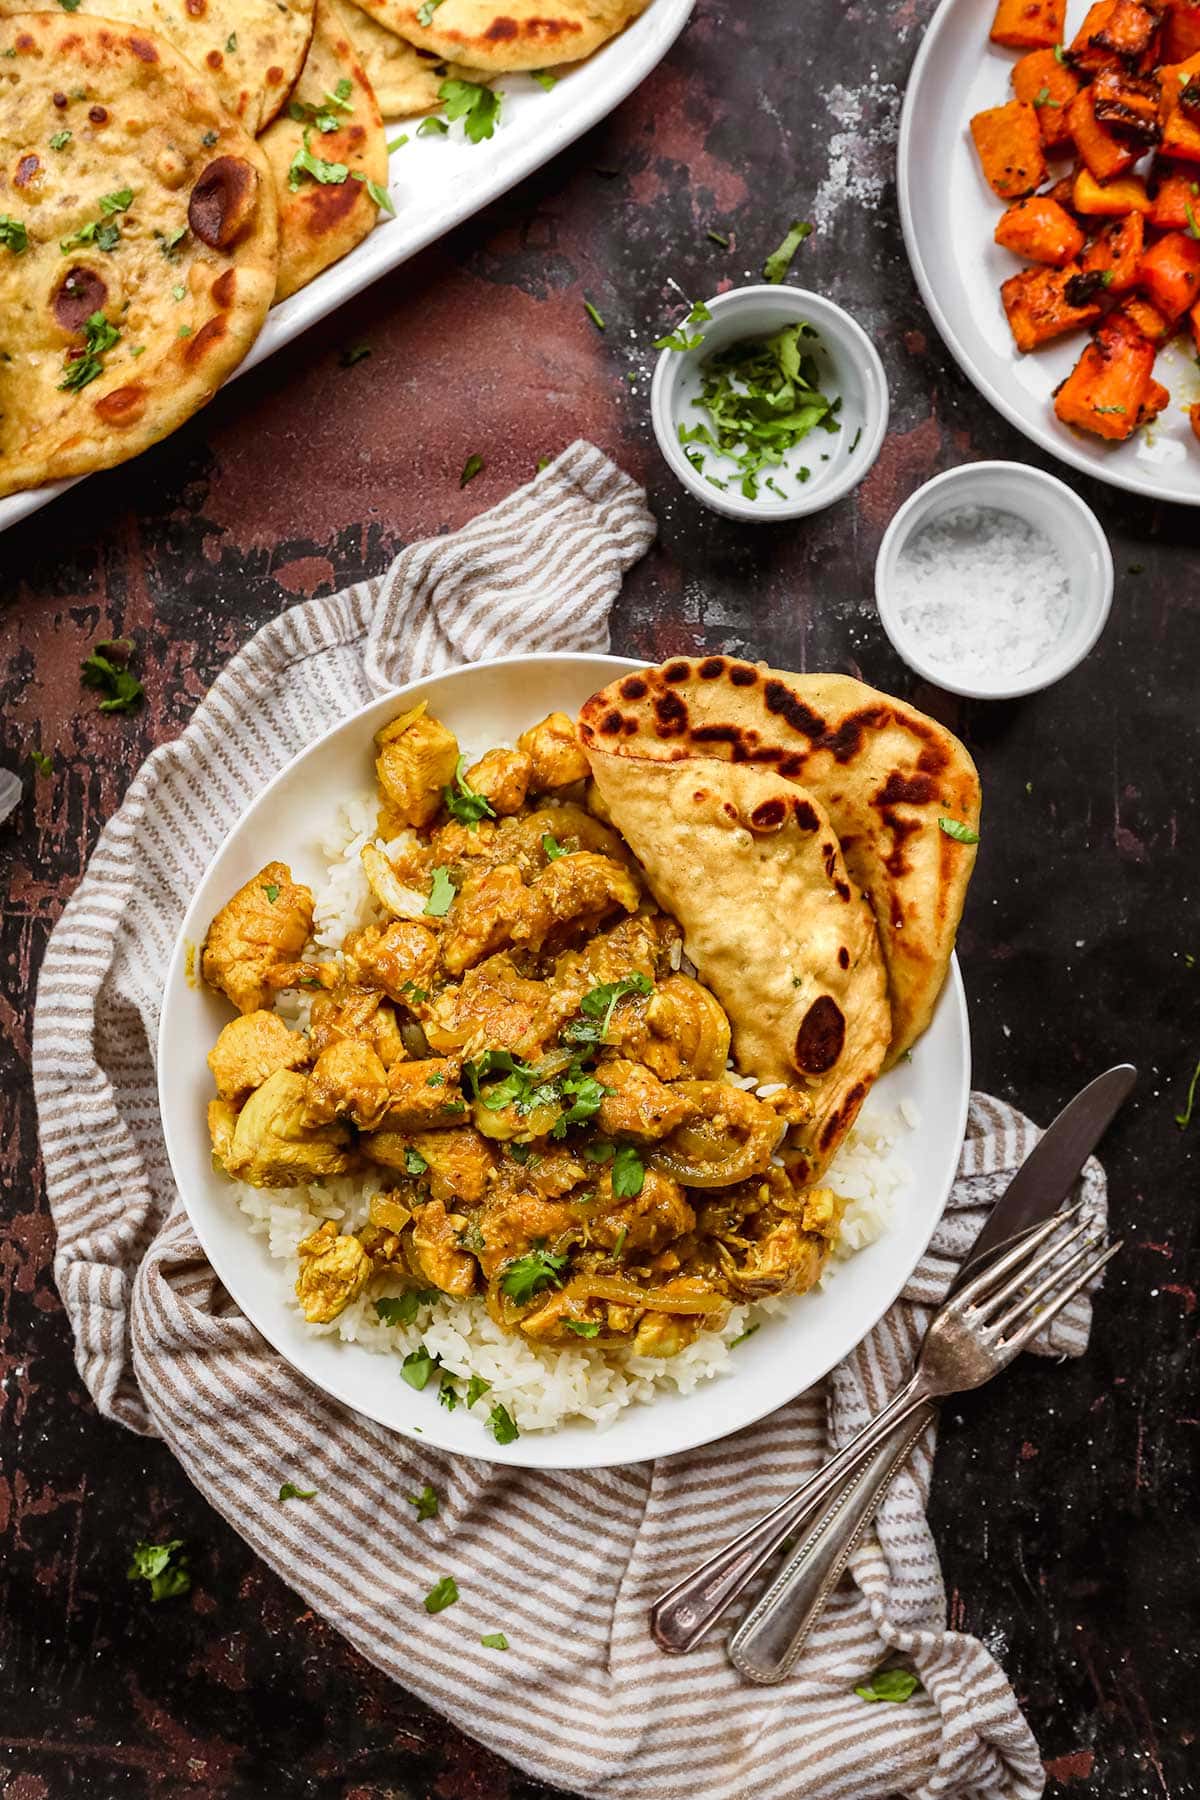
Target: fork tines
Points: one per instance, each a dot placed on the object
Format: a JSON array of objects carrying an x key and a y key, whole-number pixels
[{"x": 1005, "y": 1306}]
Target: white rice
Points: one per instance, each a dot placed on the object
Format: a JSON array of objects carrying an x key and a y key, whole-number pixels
[{"x": 541, "y": 1386}]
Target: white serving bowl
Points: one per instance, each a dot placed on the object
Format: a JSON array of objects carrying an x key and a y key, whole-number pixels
[
  {"x": 850, "y": 367},
  {"x": 486, "y": 704},
  {"x": 1040, "y": 500}
]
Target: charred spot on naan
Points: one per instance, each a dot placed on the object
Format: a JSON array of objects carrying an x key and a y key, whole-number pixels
[
  {"x": 224, "y": 202},
  {"x": 80, "y": 293}
]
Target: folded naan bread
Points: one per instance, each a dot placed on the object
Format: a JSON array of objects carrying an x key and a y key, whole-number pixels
[
  {"x": 749, "y": 865},
  {"x": 514, "y": 34},
  {"x": 885, "y": 773}
]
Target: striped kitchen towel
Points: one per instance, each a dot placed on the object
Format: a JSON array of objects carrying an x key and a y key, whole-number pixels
[{"x": 565, "y": 1565}]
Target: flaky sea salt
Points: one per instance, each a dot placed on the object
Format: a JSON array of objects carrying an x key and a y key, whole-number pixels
[{"x": 982, "y": 591}]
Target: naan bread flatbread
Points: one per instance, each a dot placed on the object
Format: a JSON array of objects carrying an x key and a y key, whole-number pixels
[
  {"x": 406, "y": 80},
  {"x": 884, "y": 772},
  {"x": 320, "y": 219},
  {"x": 501, "y": 35},
  {"x": 251, "y": 50},
  {"x": 139, "y": 258},
  {"x": 750, "y": 866}
]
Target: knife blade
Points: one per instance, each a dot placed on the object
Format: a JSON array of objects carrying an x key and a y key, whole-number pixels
[{"x": 1050, "y": 1170}]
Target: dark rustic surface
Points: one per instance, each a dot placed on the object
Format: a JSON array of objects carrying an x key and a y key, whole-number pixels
[{"x": 1064, "y": 1502}]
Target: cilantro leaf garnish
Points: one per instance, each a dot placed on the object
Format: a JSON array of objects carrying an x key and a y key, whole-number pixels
[
  {"x": 271, "y": 890},
  {"x": 119, "y": 202},
  {"x": 441, "y": 894},
  {"x": 600, "y": 1002},
  {"x": 426, "y": 11},
  {"x": 494, "y": 1640},
  {"x": 477, "y": 1387},
  {"x": 13, "y": 234},
  {"x": 331, "y": 174},
  {"x": 162, "y": 1566},
  {"x": 442, "y": 1594},
  {"x": 447, "y": 1394},
  {"x": 502, "y": 1425},
  {"x": 471, "y": 468},
  {"x": 1183, "y": 1119},
  {"x": 402, "y": 1309},
  {"x": 123, "y": 691},
  {"x": 545, "y": 78},
  {"x": 551, "y": 848},
  {"x": 289, "y": 1491},
  {"x": 585, "y": 1094},
  {"x": 761, "y": 397},
  {"x": 414, "y": 1162},
  {"x": 353, "y": 353},
  {"x": 417, "y": 1367},
  {"x": 778, "y": 263},
  {"x": 889, "y": 1684},
  {"x": 528, "y": 1275},
  {"x": 594, "y": 316},
  {"x": 478, "y": 107},
  {"x": 432, "y": 127},
  {"x": 231, "y": 43},
  {"x": 461, "y": 800},
  {"x": 43, "y": 764},
  {"x": 743, "y": 1335},
  {"x": 379, "y": 195},
  {"x": 679, "y": 338},
  {"x": 954, "y": 828},
  {"x": 60, "y": 139},
  {"x": 584, "y": 1328},
  {"x": 628, "y": 1172},
  {"x": 718, "y": 237},
  {"x": 426, "y": 1503},
  {"x": 98, "y": 336}
]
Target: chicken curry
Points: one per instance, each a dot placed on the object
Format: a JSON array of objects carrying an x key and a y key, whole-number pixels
[{"x": 516, "y": 1053}]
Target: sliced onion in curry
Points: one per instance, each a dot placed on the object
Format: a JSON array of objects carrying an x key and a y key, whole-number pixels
[
  {"x": 731, "y": 1136},
  {"x": 628, "y": 1293}
]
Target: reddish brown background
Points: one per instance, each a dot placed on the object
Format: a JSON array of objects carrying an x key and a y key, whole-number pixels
[{"x": 1064, "y": 1503}]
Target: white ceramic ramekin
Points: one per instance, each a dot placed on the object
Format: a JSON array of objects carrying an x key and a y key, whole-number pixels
[{"x": 850, "y": 367}]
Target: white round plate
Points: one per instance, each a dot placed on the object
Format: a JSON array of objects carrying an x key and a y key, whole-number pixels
[
  {"x": 949, "y": 213},
  {"x": 486, "y": 704}
]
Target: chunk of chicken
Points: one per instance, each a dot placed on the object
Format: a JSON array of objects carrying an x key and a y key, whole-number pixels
[
  {"x": 389, "y": 1211},
  {"x": 489, "y": 906},
  {"x": 222, "y": 1123},
  {"x": 251, "y": 1048},
  {"x": 666, "y": 1334},
  {"x": 333, "y": 1271},
  {"x": 264, "y": 926},
  {"x": 400, "y": 958},
  {"x": 493, "y": 1007},
  {"x": 655, "y": 1217},
  {"x": 511, "y": 1228},
  {"x": 360, "y": 1014},
  {"x": 460, "y": 1164},
  {"x": 784, "y": 1261},
  {"x": 678, "y": 1030},
  {"x": 823, "y": 1211},
  {"x": 554, "y": 752},
  {"x": 435, "y": 1252},
  {"x": 424, "y": 1096},
  {"x": 576, "y": 890},
  {"x": 550, "y": 1320},
  {"x": 417, "y": 759},
  {"x": 502, "y": 777},
  {"x": 637, "y": 1104},
  {"x": 348, "y": 1081},
  {"x": 273, "y": 1147}
]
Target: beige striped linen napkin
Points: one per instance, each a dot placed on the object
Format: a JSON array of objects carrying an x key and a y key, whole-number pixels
[{"x": 565, "y": 1564}]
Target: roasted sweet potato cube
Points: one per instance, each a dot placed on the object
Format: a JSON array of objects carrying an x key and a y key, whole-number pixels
[
  {"x": 1194, "y": 322},
  {"x": 1010, "y": 148},
  {"x": 1049, "y": 86},
  {"x": 1039, "y": 230},
  {"x": 1145, "y": 318},
  {"x": 1105, "y": 155},
  {"x": 1028, "y": 24},
  {"x": 1117, "y": 252},
  {"x": 1181, "y": 30},
  {"x": 1181, "y": 137},
  {"x": 1176, "y": 203},
  {"x": 1157, "y": 396},
  {"x": 1039, "y": 307},
  {"x": 1105, "y": 391},
  {"x": 1169, "y": 274},
  {"x": 1109, "y": 199},
  {"x": 1127, "y": 105},
  {"x": 1173, "y": 80},
  {"x": 1121, "y": 31}
]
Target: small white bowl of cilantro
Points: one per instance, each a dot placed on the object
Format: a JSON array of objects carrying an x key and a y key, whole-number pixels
[{"x": 769, "y": 403}]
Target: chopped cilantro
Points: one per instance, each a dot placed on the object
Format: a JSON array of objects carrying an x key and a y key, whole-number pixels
[
  {"x": 414, "y": 1162},
  {"x": 471, "y": 468},
  {"x": 43, "y": 764},
  {"x": 447, "y": 1394},
  {"x": 184, "y": 331},
  {"x": 1192, "y": 227},
  {"x": 494, "y": 1640},
  {"x": 502, "y": 1425},
  {"x": 272, "y": 892},
  {"x": 289, "y": 1491},
  {"x": 628, "y": 1172},
  {"x": 954, "y": 828},
  {"x": 231, "y": 43},
  {"x": 619, "y": 1246},
  {"x": 119, "y": 202},
  {"x": 402, "y": 1309},
  {"x": 305, "y": 163},
  {"x": 379, "y": 195},
  {"x": 122, "y": 690},
  {"x": 432, "y": 127},
  {"x": 426, "y": 1503},
  {"x": 600, "y": 1002},
  {"x": 398, "y": 143},
  {"x": 718, "y": 237},
  {"x": 441, "y": 894},
  {"x": 584, "y": 1328},
  {"x": 778, "y": 263},
  {"x": 477, "y": 1387},
  {"x": 60, "y": 139},
  {"x": 353, "y": 353},
  {"x": 13, "y": 234},
  {"x": 543, "y": 462},
  {"x": 743, "y": 1335},
  {"x": 178, "y": 294},
  {"x": 679, "y": 339},
  {"x": 478, "y": 107},
  {"x": 461, "y": 800},
  {"x": 889, "y": 1684},
  {"x": 340, "y": 96},
  {"x": 417, "y": 1367},
  {"x": 426, "y": 11},
  {"x": 551, "y": 848},
  {"x": 208, "y": 139},
  {"x": 528, "y": 1275},
  {"x": 437, "y": 1079},
  {"x": 761, "y": 397},
  {"x": 69, "y": 5},
  {"x": 442, "y": 1594},
  {"x": 544, "y": 78},
  {"x": 162, "y": 1566},
  {"x": 1183, "y": 1119},
  {"x": 594, "y": 316}
]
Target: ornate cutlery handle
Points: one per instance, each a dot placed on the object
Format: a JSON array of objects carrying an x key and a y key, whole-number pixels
[{"x": 769, "y": 1640}]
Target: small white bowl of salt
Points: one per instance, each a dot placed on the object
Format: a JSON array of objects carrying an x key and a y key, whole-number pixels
[{"x": 994, "y": 580}]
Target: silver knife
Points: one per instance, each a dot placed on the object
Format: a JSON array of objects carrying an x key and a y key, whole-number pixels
[
  {"x": 683, "y": 1614},
  {"x": 769, "y": 1640}
]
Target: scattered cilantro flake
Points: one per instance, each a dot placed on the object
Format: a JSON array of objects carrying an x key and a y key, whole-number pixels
[
  {"x": 460, "y": 799},
  {"x": 619, "y": 1246},
  {"x": 122, "y": 690},
  {"x": 272, "y": 892},
  {"x": 471, "y": 468},
  {"x": 98, "y": 336},
  {"x": 447, "y": 1394},
  {"x": 231, "y": 43},
  {"x": 69, "y": 5},
  {"x": 543, "y": 462},
  {"x": 417, "y": 1367},
  {"x": 436, "y": 1079},
  {"x": 432, "y": 127},
  {"x": 494, "y": 1640},
  {"x": 477, "y": 1387},
  {"x": 379, "y": 195},
  {"x": 402, "y": 1309},
  {"x": 1060, "y": 53},
  {"x": 628, "y": 1172},
  {"x": 551, "y": 848},
  {"x": 304, "y": 163},
  {"x": 718, "y": 237},
  {"x": 778, "y": 263},
  {"x": 426, "y": 1503},
  {"x": 1042, "y": 98},
  {"x": 855, "y": 442},
  {"x": 398, "y": 143},
  {"x": 442, "y": 1594},
  {"x": 414, "y": 1162},
  {"x": 162, "y": 1566},
  {"x": 1110, "y": 409},
  {"x": 889, "y": 1684},
  {"x": 761, "y": 397},
  {"x": 60, "y": 139},
  {"x": 502, "y": 1425},
  {"x": 478, "y": 107},
  {"x": 1192, "y": 228},
  {"x": 544, "y": 78},
  {"x": 353, "y": 353},
  {"x": 743, "y": 1335},
  {"x": 184, "y": 331},
  {"x": 178, "y": 294},
  {"x": 13, "y": 234},
  {"x": 208, "y": 139},
  {"x": 43, "y": 764},
  {"x": 426, "y": 11},
  {"x": 1183, "y": 1119},
  {"x": 528, "y": 1275},
  {"x": 962, "y": 834},
  {"x": 441, "y": 894},
  {"x": 584, "y": 1328},
  {"x": 289, "y": 1491},
  {"x": 340, "y": 96},
  {"x": 594, "y": 316},
  {"x": 599, "y": 1002},
  {"x": 119, "y": 202},
  {"x": 599, "y": 1152}
]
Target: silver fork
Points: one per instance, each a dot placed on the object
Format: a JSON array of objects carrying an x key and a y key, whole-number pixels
[{"x": 972, "y": 1337}]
